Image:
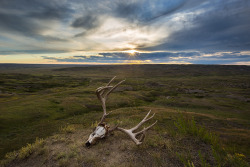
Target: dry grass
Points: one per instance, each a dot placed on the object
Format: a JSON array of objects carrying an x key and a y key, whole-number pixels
[
  {"x": 68, "y": 129},
  {"x": 182, "y": 141}
]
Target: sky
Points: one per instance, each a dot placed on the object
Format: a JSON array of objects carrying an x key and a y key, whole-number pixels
[{"x": 125, "y": 31}]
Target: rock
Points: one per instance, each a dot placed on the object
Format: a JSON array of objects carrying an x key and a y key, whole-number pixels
[{"x": 168, "y": 97}]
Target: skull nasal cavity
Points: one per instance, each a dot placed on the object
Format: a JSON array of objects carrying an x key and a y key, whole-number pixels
[{"x": 87, "y": 144}]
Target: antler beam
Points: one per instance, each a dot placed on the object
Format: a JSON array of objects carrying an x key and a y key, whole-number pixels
[
  {"x": 132, "y": 135},
  {"x": 102, "y": 94}
]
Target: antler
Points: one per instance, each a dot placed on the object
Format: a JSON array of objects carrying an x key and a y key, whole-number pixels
[
  {"x": 102, "y": 94},
  {"x": 132, "y": 135},
  {"x": 103, "y": 130}
]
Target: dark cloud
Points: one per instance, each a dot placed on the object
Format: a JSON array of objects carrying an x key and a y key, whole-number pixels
[
  {"x": 127, "y": 10},
  {"x": 45, "y": 9},
  {"x": 30, "y": 18},
  {"x": 158, "y": 57},
  {"x": 23, "y": 26},
  {"x": 35, "y": 51},
  {"x": 89, "y": 23},
  {"x": 19, "y": 24},
  {"x": 50, "y": 13},
  {"x": 232, "y": 56},
  {"x": 31, "y": 5},
  {"x": 86, "y": 22},
  {"x": 144, "y": 11},
  {"x": 226, "y": 27}
]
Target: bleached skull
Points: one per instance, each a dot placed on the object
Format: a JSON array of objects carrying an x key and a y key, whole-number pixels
[{"x": 99, "y": 132}]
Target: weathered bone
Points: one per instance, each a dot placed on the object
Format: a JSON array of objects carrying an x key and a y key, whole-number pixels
[
  {"x": 132, "y": 135},
  {"x": 102, "y": 94},
  {"x": 103, "y": 130}
]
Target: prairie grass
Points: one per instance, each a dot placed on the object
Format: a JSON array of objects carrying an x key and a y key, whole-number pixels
[
  {"x": 31, "y": 148},
  {"x": 68, "y": 129},
  {"x": 188, "y": 126},
  {"x": 61, "y": 101},
  {"x": 36, "y": 147}
]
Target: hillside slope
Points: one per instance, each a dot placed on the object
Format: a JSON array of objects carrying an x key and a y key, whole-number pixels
[{"x": 176, "y": 140}]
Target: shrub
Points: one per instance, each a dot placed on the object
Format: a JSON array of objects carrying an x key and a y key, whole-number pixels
[
  {"x": 26, "y": 151},
  {"x": 189, "y": 126},
  {"x": 68, "y": 129}
]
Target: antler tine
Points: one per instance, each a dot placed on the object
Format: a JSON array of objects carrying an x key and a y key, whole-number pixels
[
  {"x": 142, "y": 136},
  {"x": 100, "y": 91},
  {"x": 111, "y": 80},
  {"x": 132, "y": 135},
  {"x": 107, "y": 86},
  {"x": 114, "y": 87},
  {"x": 145, "y": 129},
  {"x": 143, "y": 121}
]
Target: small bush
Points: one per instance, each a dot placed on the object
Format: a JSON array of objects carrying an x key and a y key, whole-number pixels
[
  {"x": 203, "y": 160},
  {"x": 189, "y": 126},
  {"x": 61, "y": 155},
  {"x": 68, "y": 129},
  {"x": 237, "y": 159},
  {"x": 9, "y": 157},
  {"x": 30, "y": 148},
  {"x": 25, "y": 152},
  {"x": 186, "y": 162}
]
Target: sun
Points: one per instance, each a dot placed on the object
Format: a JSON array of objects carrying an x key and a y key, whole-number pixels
[{"x": 131, "y": 52}]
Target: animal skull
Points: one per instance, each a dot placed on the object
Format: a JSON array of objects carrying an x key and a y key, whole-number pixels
[
  {"x": 99, "y": 132},
  {"x": 102, "y": 130}
]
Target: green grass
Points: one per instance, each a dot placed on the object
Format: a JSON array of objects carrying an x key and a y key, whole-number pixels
[
  {"x": 188, "y": 126},
  {"x": 25, "y": 151}
]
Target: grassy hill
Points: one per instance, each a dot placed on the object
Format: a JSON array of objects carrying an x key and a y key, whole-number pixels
[{"x": 202, "y": 112}]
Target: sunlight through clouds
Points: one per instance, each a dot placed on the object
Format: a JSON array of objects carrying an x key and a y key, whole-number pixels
[{"x": 207, "y": 31}]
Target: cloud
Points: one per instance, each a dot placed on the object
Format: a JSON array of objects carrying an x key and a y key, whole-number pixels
[
  {"x": 175, "y": 62},
  {"x": 21, "y": 52},
  {"x": 128, "y": 10},
  {"x": 221, "y": 27},
  {"x": 14, "y": 23},
  {"x": 89, "y": 23},
  {"x": 191, "y": 31},
  {"x": 158, "y": 57},
  {"x": 86, "y": 22},
  {"x": 241, "y": 63},
  {"x": 145, "y": 11},
  {"x": 51, "y": 13}
]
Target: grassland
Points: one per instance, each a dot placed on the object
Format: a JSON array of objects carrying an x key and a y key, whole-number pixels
[{"x": 203, "y": 113}]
